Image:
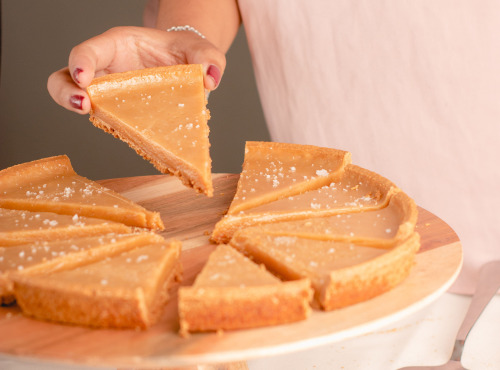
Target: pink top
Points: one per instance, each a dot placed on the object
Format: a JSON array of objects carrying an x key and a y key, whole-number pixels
[{"x": 410, "y": 88}]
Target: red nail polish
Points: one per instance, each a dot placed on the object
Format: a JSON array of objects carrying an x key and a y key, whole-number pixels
[
  {"x": 214, "y": 72},
  {"x": 76, "y": 101},
  {"x": 76, "y": 74}
]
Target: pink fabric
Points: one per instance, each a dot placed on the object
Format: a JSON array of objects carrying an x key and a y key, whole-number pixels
[{"x": 411, "y": 88}]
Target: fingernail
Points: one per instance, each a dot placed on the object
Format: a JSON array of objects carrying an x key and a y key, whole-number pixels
[
  {"x": 214, "y": 72},
  {"x": 76, "y": 101},
  {"x": 76, "y": 74}
]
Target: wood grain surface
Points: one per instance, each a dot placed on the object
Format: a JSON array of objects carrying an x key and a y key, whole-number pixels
[{"x": 190, "y": 217}]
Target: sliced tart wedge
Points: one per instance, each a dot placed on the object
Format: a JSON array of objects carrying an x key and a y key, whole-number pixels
[
  {"x": 341, "y": 273},
  {"x": 129, "y": 290},
  {"x": 273, "y": 171},
  {"x": 52, "y": 185},
  {"x": 161, "y": 113},
  {"x": 357, "y": 190},
  {"x": 57, "y": 255},
  {"x": 20, "y": 227},
  {"x": 380, "y": 228},
  {"x": 232, "y": 292}
]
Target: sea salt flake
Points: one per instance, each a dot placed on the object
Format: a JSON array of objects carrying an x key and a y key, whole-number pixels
[
  {"x": 322, "y": 172},
  {"x": 87, "y": 191},
  {"x": 67, "y": 192},
  {"x": 285, "y": 240},
  {"x": 142, "y": 258},
  {"x": 49, "y": 222}
]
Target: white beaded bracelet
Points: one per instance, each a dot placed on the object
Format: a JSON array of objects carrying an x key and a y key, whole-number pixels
[{"x": 186, "y": 28}]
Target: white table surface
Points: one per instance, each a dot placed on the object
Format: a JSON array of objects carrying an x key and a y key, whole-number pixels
[{"x": 424, "y": 338}]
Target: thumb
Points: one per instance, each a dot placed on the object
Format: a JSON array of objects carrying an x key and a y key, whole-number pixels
[
  {"x": 213, "y": 62},
  {"x": 212, "y": 78}
]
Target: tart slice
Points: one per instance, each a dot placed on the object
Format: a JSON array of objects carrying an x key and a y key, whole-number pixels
[
  {"x": 232, "y": 292},
  {"x": 161, "y": 113},
  {"x": 380, "y": 228},
  {"x": 341, "y": 273},
  {"x": 20, "y": 227},
  {"x": 129, "y": 290},
  {"x": 272, "y": 171},
  {"x": 49, "y": 256},
  {"x": 51, "y": 185},
  {"x": 357, "y": 190}
]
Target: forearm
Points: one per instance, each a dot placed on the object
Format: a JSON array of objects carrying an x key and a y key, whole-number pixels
[{"x": 217, "y": 20}]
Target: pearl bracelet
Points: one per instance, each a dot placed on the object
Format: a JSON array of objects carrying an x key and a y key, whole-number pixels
[{"x": 186, "y": 28}]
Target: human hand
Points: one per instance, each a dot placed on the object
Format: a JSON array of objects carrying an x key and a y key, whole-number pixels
[{"x": 123, "y": 49}]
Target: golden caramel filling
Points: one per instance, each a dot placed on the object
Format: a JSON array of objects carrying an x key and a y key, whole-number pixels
[
  {"x": 381, "y": 224},
  {"x": 136, "y": 269},
  {"x": 17, "y": 221},
  {"x": 169, "y": 113},
  {"x": 68, "y": 189},
  {"x": 21, "y": 257},
  {"x": 281, "y": 170},
  {"x": 227, "y": 267},
  {"x": 312, "y": 258},
  {"x": 345, "y": 194}
]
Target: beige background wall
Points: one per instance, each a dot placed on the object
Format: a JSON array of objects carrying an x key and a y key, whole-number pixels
[{"x": 37, "y": 37}]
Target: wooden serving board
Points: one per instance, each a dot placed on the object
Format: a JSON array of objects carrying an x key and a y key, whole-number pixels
[{"x": 190, "y": 217}]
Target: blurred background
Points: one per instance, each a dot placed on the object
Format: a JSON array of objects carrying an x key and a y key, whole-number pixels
[{"x": 36, "y": 38}]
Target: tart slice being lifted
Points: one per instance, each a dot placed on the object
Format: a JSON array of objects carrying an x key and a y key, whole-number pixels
[
  {"x": 232, "y": 292},
  {"x": 161, "y": 113},
  {"x": 51, "y": 185}
]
